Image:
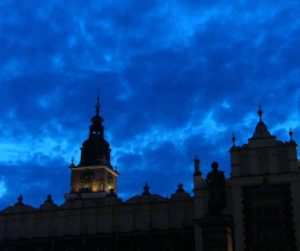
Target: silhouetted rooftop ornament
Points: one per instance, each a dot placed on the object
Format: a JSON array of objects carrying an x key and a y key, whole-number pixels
[
  {"x": 112, "y": 193},
  {"x": 215, "y": 165},
  {"x": 261, "y": 130},
  {"x": 72, "y": 162},
  {"x": 291, "y": 133},
  {"x": 49, "y": 199},
  {"x": 146, "y": 190},
  {"x": 180, "y": 193},
  {"x": 197, "y": 166},
  {"x": 48, "y": 204},
  {"x": 233, "y": 140},
  {"x": 20, "y": 201},
  {"x": 260, "y": 112},
  {"x": 180, "y": 188}
]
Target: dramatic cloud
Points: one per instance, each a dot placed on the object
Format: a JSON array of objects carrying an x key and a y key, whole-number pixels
[{"x": 176, "y": 79}]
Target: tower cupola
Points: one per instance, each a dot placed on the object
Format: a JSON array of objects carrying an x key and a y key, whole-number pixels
[{"x": 95, "y": 150}]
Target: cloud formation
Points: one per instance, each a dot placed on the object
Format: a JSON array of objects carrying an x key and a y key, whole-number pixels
[{"x": 176, "y": 79}]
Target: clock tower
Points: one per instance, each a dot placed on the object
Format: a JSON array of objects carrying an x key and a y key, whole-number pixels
[{"x": 94, "y": 176}]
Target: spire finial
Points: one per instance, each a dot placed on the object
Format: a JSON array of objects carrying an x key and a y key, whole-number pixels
[
  {"x": 291, "y": 133},
  {"x": 20, "y": 201},
  {"x": 72, "y": 162},
  {"x": 146, "y": 189},
  {"x": 233, "y": 139},
  {"x": 260, "y": 112},
  {"x": 112, "y": 193},
  {"x": 97, "y": 106},
  {"x": 197, "y": 166},
  {"x": 180, "y": 188},
  {"x": 215, "y": 165},
  {"x": 49, "y": 199}
]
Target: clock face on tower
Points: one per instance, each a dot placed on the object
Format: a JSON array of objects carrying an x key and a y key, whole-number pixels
[{"x": 87, "y": 176}]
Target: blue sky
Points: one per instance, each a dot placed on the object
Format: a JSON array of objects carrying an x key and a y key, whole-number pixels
[{"x": 176, "y": 79}]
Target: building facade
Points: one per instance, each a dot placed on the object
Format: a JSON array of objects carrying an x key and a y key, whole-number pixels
[{"x": 256, "y": 208}]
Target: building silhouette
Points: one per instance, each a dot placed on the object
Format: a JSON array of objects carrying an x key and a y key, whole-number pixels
[{"x": 256, "y": 208}]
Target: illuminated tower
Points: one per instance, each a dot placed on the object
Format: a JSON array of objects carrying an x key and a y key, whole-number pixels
[{"x": 94, "y": 176}]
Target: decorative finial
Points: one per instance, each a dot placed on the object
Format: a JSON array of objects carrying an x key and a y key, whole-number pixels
[
  {"x": 180, "y": 188},
  {"x": 112, "y": 193},
  {"x": 215, "y": 165},
  {"x": 72, "y": 163},
  {"x": 20, "y": 201},
  {"x": 97, "y": 106},
  {"x": 197, "y": 166},
  {"x": 291, "y": 133},
  {"x": 260, "y": 112},
  {"x": 233, "y": 140},
  {"x": 49, "y": 199},
  {"x": 146, "y": 189}
]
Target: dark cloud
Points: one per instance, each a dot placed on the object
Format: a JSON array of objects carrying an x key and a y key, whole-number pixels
[{"x": 175, "y": 80}]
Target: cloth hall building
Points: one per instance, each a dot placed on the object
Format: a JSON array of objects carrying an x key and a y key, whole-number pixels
[{"x": 256, "y": 209}]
